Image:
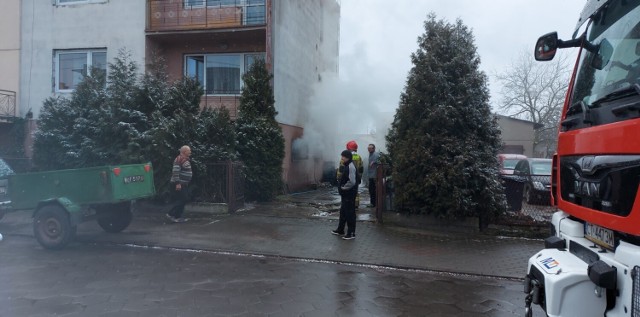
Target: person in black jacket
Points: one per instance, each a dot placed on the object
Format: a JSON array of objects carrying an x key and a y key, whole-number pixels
[{"x": 348, "y": 189}]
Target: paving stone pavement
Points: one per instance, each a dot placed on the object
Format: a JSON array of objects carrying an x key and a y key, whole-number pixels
[{"x": 264, "y": 230}]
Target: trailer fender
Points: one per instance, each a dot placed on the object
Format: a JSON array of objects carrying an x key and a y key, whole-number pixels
[{"x": 74, "y": 210}]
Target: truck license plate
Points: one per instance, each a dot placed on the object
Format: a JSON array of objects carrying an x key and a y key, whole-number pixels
[
  {"x": 134, "y": 179},
  {"x": 600, "y": 236}
]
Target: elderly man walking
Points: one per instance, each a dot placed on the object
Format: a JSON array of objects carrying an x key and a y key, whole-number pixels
[{"x": 179, "y": 184}]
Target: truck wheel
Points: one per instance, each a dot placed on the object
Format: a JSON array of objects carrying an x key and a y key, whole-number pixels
[
  {"x": 114, "y": 218},
  {"x": 52, "y": 227}
]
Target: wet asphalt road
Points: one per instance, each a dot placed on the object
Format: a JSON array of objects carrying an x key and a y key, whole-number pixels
[
  {"x": 95, "y": 279},
  {"x": 274, "y": 260}
]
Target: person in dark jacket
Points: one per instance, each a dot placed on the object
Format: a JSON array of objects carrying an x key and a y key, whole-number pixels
[
  {"x": 374, "y": 161},
  {"x": 348, "y": 189},
  {"x": 179, "y": 184}
]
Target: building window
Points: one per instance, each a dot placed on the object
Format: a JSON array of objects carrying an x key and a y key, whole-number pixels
[
  {"x": 193, "y": 3},
  {"x": 217, "y": 3},
  {"x": 195, "y": 68},
  {"x": 249, "y": 59},
  {"x": 67, "y": 2},
  {"x": 253, "y": 10},
  {"x": 72, "y": 66},
  {"x": 220, "y": 74}
]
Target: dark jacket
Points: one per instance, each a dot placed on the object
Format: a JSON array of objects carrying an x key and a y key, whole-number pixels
[{"x": 348, "y": 184}]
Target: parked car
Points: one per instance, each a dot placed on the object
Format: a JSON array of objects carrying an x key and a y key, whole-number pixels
[
  {"x": 537, "y": 175},
  {"x": 508, "y": 162},
  {"x": 5, "y": 171}
]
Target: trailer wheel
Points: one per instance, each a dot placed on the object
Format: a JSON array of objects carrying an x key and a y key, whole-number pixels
[
  {"x": 114, "y": 218},
  {"x": 52, "y": 227}
]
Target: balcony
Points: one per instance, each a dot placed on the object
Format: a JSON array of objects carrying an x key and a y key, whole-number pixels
[
  {"x": 7, "y": 104},
  {"x": 189, "y": 15}
]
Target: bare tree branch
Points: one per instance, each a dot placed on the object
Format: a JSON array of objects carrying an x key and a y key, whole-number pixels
[{"x": 535, "y": 91}]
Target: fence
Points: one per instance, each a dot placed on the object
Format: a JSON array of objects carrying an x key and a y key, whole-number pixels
[
  {"x": 384, "y": 191},
  {"x": 224, "y": 184},
  {"x": 528, "y": 200},
  {"x": 528, "y": 203}
]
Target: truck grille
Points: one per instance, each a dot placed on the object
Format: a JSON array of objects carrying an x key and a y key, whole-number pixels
[
  {"x": 606, "y": 183},
  {"x": 583, "y": 253}
]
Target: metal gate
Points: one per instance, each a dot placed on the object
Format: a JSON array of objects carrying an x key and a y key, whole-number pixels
[{"x": 224, "y": 184}]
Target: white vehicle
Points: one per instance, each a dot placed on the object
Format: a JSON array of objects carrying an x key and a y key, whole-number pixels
[{"x": 591, "y": 264}]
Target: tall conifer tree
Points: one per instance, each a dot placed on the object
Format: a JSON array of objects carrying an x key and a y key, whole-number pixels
[
  {"x": 444, "y": 139},
  {"x": 259, "y": 137}
]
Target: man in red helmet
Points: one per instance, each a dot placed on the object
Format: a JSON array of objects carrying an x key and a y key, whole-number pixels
[{"x": 352, "y": 146}]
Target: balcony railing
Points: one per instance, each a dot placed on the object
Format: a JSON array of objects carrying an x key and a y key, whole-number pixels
[
  {"x": 231, "y": 103},
  {"x": 172, "y": 15},
  {"x": 7, "y": 103}
]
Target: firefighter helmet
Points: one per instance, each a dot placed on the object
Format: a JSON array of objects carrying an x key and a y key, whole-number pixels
[{"x": 352, "y": 146}]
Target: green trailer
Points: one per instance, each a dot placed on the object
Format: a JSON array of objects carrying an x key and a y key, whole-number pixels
[{"x": 62, "y": 199}]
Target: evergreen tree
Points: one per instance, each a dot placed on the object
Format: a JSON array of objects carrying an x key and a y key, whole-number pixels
[
  {"x": 67, "y": 128},
  {"x": 126, "y": 120},
  {"x": 444, "y": 140},
  {"x": 214, "y": 142},
  {"x": 260, "y": 143}
]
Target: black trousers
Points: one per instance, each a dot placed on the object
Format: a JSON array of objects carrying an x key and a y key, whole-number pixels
[
  {"x": 180, "y": 199},
  {"x": 372, "y": 191},
  {"x": 347, "y": 213}
]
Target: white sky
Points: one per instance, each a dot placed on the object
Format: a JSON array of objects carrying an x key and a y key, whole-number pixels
[{"x": 378, "y": 37}]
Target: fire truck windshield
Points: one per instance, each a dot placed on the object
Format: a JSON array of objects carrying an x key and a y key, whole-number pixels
[{"x": 611, "y": 62}]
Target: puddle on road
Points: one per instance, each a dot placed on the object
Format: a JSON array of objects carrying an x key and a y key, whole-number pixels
[
  {"x": 336, "y": 214},
  {"x": 365, "y": 217}
]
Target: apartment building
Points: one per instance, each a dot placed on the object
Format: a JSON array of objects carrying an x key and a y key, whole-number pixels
[
  {"x": 9, "y": 70},
  {"x": 214, "y": 41},
  {"x": 63, "y": 39},
  {"x": 9, "y": 58}
]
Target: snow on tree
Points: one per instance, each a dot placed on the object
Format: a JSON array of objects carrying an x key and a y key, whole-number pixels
[
  {"x": 444, "y": 140},
  {"x": 126, "y": 118},
  {"x": 260, "y": 143},
  {"x": 67, "y": 128}
]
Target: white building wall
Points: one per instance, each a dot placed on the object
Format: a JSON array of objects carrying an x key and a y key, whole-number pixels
[
  {"x": 305, "y": 46},
  {"x": 10, "y": 46},
  {"x": 46, "y": 27}
]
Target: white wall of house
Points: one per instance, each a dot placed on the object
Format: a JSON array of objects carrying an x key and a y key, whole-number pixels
[
  {"x": 48, "y": 27},
  {"x": 10, "y": 47},
  {"x": 306, "y": 37}
]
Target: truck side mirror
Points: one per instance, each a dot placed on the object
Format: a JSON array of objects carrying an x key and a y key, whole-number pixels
[{"x": 546, "y": 47}]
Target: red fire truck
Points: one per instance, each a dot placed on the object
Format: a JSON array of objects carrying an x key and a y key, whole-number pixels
[{"x": 590, "y": 265}]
